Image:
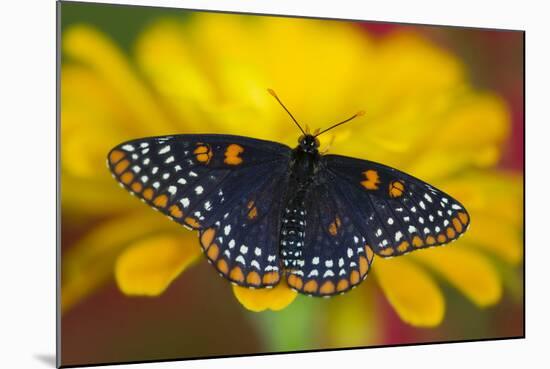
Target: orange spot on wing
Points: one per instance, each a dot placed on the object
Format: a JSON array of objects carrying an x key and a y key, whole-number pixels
[
  {"x": 253, "y": 278},
  {"x": 253, "y": 211},
  {"x": 207, "y": 237},
  {"x": 386, "y": 252},
  {"x": 417, "y": 241},
  {"x": 334, "y": 227},
  {"x": 363, "y": 266},
  {"x": 372, "y": 179},
  {"x": 441, "y": 238},
  {"x": 175, "y": 211},
  {"x": 354, "y": 277},
  {"x": 136, "y": 187},
  {"x": 236, "y": 274},
  {"x": 451, "y": 232},
  {"x": 213, "y": 252},
  {"x": 403, "y": 246},
  {"x": 311, "y": 286},
  {"x": 148, "y": 193},
  {"x": 192, "y": 222},
  {"x": 463, "y": 217},
  {"x": 369, "y": 252},
  {"x": 396, "y": 189},
  {"x": 115, "y": 156},
  {"x": 430, "y": 240},
  {"x": 232, "y": 154},
  {"x": 222, "y": 266},
  {"x": 203, "y": 153},
  {"x": 127, "y": 177},
  {"x": 270, "y": 278},
  {"x": 161, "y": 201},
  {"x": 342, "y": 285},
  {"x": 295, "y": 281},
  {"x": 327, "y": 288},
  {"x": 121, "y": 166},
  {"x": 457, "y": 224}
]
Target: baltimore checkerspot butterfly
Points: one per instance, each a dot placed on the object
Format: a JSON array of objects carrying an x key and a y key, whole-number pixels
[{"x": 265, "y": 211}]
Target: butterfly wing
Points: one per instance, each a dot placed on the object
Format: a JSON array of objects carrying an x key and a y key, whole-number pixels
[
  {"x": 227, "y": 187},
  {"x": 335, "y": 256},
  {"x": 397, "y": 213}
]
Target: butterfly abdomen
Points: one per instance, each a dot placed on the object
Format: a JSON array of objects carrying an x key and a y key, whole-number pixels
[
  {"x": 293, "y": 225},
  {"x": 293, "y": 229}
]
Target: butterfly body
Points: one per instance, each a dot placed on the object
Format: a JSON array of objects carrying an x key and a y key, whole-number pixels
[
  {"x": 266, "y": 212},
  {"x": 302, "y": 168}
]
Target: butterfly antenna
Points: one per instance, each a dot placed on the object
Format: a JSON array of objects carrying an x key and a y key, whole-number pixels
[
  {"x": 358, "y": 114},
  {"x": 272, "y": 93}
]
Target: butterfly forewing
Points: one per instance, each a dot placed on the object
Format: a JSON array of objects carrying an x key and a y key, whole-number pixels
[
  {"x": 228, "y": 187},
  {"x": 397, "y": 212}
]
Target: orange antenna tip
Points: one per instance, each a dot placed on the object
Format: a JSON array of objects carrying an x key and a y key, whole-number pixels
[
  {"x": 271, "y": 92},
  {"x": 360, "y": 113}
]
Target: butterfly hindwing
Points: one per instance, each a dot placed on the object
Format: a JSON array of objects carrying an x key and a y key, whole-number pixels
[
  {"x": 398, "y": 213},
  {"x": 336, "y": 256},
  {"x": 227, "y": 187},
  {"x": 244, "y": 244}
]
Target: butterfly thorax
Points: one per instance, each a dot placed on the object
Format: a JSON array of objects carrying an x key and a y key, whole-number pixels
[{"x": 303, "y": 166}]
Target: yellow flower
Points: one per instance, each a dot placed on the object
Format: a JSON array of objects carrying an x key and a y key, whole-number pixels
[{"x": 209, "y": 74}]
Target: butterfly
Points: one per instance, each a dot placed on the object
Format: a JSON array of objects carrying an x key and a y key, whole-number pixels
[{"x": 266, "y": 212}]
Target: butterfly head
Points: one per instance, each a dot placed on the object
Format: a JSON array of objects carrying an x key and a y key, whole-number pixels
[{"x": 309, "y": 143}]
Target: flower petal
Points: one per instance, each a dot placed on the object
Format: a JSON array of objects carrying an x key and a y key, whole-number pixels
[
  {"x": 95, "y": 50},
  {"x": 276, "y": 298},
  {"x": 89, "y": 262},
  {"x": 497, "y": 236},
  {"x": 148, "y": 266},
  {"x": 467, "y": 270},
  {"x": 411, "y": 291}
]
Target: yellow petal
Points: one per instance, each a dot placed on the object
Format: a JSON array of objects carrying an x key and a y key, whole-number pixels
[
  {"x": 276, "y": 298},
  {"x": 165, "y": 54},
  {"x": 93, "y": 197},
  {"x": 411, "y": 291},
  {"x": 148, "y": 266},
  {"x": 89, "y": 262},
  {"x": 497, "y": 236},
  {"x": 94, "y": 49},
  {"x": 467, "y": 270}
]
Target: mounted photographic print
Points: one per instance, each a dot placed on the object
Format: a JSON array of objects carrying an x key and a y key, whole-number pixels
[{"x": 245, "y": 184}]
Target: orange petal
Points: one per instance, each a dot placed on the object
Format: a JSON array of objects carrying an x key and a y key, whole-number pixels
[
  {"x": 276, "y": 298},
  {"x": 411, "y": 291}
]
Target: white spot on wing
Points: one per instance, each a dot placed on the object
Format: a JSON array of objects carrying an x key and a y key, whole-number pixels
[
  {"x": 164, "y": 150},
  {"x": 398, "y": 235}
]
